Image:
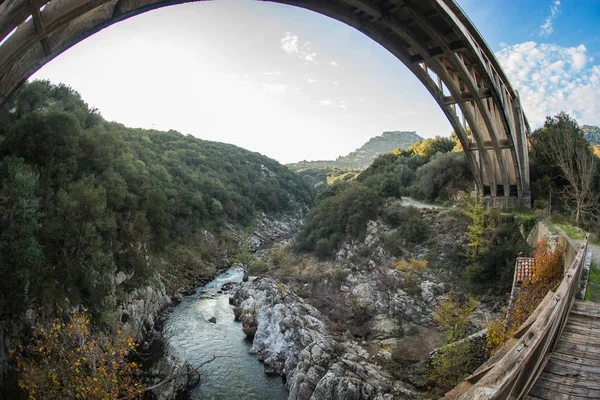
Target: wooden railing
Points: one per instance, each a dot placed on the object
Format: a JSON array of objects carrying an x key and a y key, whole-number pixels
[{"x": 513, "y": 375}]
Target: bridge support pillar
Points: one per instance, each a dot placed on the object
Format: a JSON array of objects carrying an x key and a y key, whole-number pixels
[{"x": 507, "y": 202}]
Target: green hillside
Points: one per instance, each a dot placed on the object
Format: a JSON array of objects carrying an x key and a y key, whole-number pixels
[{"x": 82, "y": 198}]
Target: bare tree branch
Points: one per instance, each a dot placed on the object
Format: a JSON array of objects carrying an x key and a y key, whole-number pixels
[
  {"x": 192, "y": 371},
  {"x": 566, "y": 148}
]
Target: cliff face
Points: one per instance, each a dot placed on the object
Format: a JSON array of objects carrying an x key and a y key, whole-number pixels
[
  {"x": 387, "y": 142},
  {"x": 592, "y": 134},
  {"x": 364, "y": 155}
]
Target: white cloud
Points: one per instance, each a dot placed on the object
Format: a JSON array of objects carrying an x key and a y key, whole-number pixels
[
  {"x": 311, "y": 80},
  {"x": 328, "y": 103},
  {"x": 551, "y": 78},
  {"x": 334, "y": 64},
  {"x": 276, "y": 89},
  {"x": 270, "y": 73},
  {"x": 310, "y": 57},
  {"x": 547, "y": 28},
  {"x": 290, "y": 44}
]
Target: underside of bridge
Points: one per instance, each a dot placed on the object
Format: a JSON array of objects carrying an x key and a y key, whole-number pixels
[{"x": 433, "y": 38}]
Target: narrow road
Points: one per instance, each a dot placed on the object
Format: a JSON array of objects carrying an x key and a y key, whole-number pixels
[{"x": 407, "y": 201}]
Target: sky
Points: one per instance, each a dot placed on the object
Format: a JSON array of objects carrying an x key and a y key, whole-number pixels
[{"x": 295, "y": 85}]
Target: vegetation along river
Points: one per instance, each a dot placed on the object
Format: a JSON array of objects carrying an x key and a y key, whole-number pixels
[{"x": 188, "y": 334}]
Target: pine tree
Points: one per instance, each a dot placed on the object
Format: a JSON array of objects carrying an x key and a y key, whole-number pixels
[{"x": 476, "y": 230}]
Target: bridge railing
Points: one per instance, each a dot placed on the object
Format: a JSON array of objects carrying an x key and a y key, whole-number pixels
[{"x": 513, "y": 375}]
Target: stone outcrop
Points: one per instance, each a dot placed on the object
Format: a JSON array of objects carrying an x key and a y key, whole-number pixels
[
  {"x": 171, "y": 367},
  {"x": 291, "y": 339},
  {"x": 140, "y": 308},
  {"x": 267, "y": 229}
]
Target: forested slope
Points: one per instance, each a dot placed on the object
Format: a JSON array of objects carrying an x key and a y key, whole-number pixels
[
  {"x": 427, "y": 170},
  {"x": 82, "y": 199}
]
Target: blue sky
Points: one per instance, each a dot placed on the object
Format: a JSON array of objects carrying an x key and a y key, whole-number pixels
[
  {"x": 296, "y": 85},
  {"x": 514, "y": 21}
]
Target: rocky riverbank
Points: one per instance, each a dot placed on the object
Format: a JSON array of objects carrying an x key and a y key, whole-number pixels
[
  {"x": 361, "y": 325},
  {"x": 144, "y": 310},
  {"x": 292, "y": 338}
]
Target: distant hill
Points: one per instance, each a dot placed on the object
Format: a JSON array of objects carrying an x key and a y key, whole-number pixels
[
  {"x": 592, "y": 134},
  {"x": 363, "y": 157}
]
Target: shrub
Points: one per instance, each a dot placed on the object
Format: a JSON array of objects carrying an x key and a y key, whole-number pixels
[
  {"x": 443, "y": 177},
  {"x": 278, "y": 256},
  {"x": 70, "y": 360},
  {"x": 393, "y": 244},
  {"x": 258, "y": 267},
  {"x": 344, "y": 212},
  {"x": 548, "y": 272},
  {"x": 339, "y": 275},
  {"x": 413, "y": 229},
  {"x": 453, "y": 362},
  {"x": 450, "y": 365},
  {"x": 453, "y": 314},
  {"x": 410, "y": 269}
]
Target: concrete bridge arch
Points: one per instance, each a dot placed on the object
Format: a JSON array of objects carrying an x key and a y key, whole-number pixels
[{"x": 433, "y": 38}]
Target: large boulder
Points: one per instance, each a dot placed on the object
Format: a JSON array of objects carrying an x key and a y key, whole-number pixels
[{"x": 170, "y": 367}]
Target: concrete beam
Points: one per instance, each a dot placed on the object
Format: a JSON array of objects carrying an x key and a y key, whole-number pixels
[{"x": 468, "y": 96}]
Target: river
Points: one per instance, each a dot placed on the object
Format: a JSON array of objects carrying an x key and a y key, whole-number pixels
[{"x": 188, "y": 334}]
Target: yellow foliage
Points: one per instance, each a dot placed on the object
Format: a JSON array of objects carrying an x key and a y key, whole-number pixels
[
  {"x": 413, "y": 265},
  {"x": 69, "y": 360},
  {"x": 596, "y": 150},
  {"x": 280, "y": 288},
  {"x": 279, "y": 256},
  {"x": 428, "y": 147},
  {"x": 547, "y": 273},
  {"x": 453, "y": 314},
  {"x": 453, "y": 362},
  {"x": 410, "y": 269}
]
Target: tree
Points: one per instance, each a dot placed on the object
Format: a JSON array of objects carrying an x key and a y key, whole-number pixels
[
  {"x": 344, "y": 212},
  {"x": 453, "y": 314},
  {"x": 562, "y": 143},
  {"x": 453, "y": 362},
  {"x": 429, "y": 147},
  {"x": 443, "y": 177},
  {"x": 21, "y": 254},
  {"x": 70, "y": 360},
  {"x": 476, "y": 233}
]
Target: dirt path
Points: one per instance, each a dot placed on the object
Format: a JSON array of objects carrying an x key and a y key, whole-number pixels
[
  {"x": 593, "y": 247},
  {"x": 595, "y": 253},
  {"x": 407, "y": 201}
]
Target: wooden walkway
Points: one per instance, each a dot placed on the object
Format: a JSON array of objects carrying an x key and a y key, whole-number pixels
[{"x": 573, "y": 368}]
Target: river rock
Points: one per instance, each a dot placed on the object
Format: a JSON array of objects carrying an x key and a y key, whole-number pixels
[
  {"x": 212, "y": 320},
  {"x": 177, "y": 297},
  {"x": 140, "y": 307},
  {"x": 166, "y": 368},
  {"x": 194, "y": 380}
]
